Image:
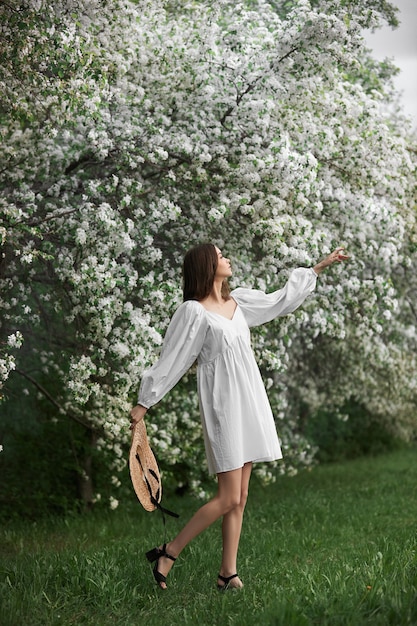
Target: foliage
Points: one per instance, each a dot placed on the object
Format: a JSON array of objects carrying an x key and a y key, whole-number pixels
[
  {"x": 131, "y": 130},
  {"x": 356, "y": 434}
]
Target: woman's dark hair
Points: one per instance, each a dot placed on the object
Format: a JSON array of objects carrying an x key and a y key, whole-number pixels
[{"x": 199, "y": 269}]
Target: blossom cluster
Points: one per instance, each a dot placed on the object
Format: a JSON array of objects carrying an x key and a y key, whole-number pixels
[{"x": 137, "y": 129}]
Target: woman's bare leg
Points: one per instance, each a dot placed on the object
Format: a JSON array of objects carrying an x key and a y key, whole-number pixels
[
  {"x": 231, "y": 529},
  {"x": 228, "y": 497}
]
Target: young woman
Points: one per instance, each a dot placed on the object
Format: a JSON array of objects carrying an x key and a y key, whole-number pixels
[{"x": 212, "y": 327}]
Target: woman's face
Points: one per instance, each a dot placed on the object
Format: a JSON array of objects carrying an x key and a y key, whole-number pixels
[{"x": 224, "y": 269}]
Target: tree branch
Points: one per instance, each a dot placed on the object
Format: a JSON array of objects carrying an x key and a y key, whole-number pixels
[
  {"x": 9, "y": 6},
  {"x": 52, "y": 217},
  {"x": 412, "y": 307},
  {"x": 52, "y": 400},
  {"x": 251, "y": 86}
]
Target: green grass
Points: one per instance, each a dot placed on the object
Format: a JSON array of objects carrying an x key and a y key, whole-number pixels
[{"x": 335, "y": 546}]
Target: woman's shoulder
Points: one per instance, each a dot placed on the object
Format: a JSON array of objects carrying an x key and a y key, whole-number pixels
[
  {"x": 190, "y": 310},
  {"x": 191, "y": 305},
  {"x": 244, "y": 293}
]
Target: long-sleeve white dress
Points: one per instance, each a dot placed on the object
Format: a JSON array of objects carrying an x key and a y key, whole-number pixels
[{"x": 237, "y": 419}]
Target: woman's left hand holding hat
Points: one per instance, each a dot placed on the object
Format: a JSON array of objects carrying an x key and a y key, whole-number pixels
[{"x": 136, "y": 414}]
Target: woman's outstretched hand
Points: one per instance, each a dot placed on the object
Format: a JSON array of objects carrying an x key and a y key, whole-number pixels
[
  {"x": 335, "y": 257},
  {"x": 136, "y": 414}
]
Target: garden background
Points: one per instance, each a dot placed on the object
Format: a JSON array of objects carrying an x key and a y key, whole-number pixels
[{"x": 132, "y": 130}]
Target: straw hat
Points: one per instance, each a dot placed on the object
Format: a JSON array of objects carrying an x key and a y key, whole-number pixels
[{"x": 144, "y": 470}]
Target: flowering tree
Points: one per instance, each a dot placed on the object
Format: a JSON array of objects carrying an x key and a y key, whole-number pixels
[{"x": 132, "y": 130}]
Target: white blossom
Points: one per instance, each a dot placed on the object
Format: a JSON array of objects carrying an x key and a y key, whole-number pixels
[{"x": 263, "y": 132}]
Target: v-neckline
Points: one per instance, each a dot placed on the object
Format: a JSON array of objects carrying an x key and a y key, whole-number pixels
[{"x": 228, "y": 319}]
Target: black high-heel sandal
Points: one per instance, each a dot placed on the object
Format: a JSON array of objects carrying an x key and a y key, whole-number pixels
[
  {"x": 154, "y": 555},
  {"x": 226, "y": 580}
]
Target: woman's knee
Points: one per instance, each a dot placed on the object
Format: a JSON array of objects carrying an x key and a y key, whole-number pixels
[
  {"x": 232, "y": 493},
  {"x": 231, "y": 501},
  {"x": 234, "y": 500},
  {"x": 243, "y": 498}
]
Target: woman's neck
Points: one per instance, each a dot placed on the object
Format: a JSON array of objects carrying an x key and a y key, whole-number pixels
[{"x": 216, "y": 292}]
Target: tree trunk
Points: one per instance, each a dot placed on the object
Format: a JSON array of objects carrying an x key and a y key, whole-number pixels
[{"x": 85, "y": 476}]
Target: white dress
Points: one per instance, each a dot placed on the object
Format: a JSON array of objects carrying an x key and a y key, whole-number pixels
[{"x": 237, "y": 420}]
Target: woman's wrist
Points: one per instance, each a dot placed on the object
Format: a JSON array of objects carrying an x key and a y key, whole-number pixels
[
  {"x": 318, "y": 268},
  {"x": 136, "y": 414}
]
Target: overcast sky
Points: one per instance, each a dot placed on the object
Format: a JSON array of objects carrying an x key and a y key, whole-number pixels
[{"x": 401, "y": 45}]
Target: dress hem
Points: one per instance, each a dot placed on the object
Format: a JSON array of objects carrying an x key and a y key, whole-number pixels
[{"x": 262, "y": 460}]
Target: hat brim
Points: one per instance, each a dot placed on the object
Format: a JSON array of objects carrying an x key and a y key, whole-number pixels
[{"x": 144, "y": 470}]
